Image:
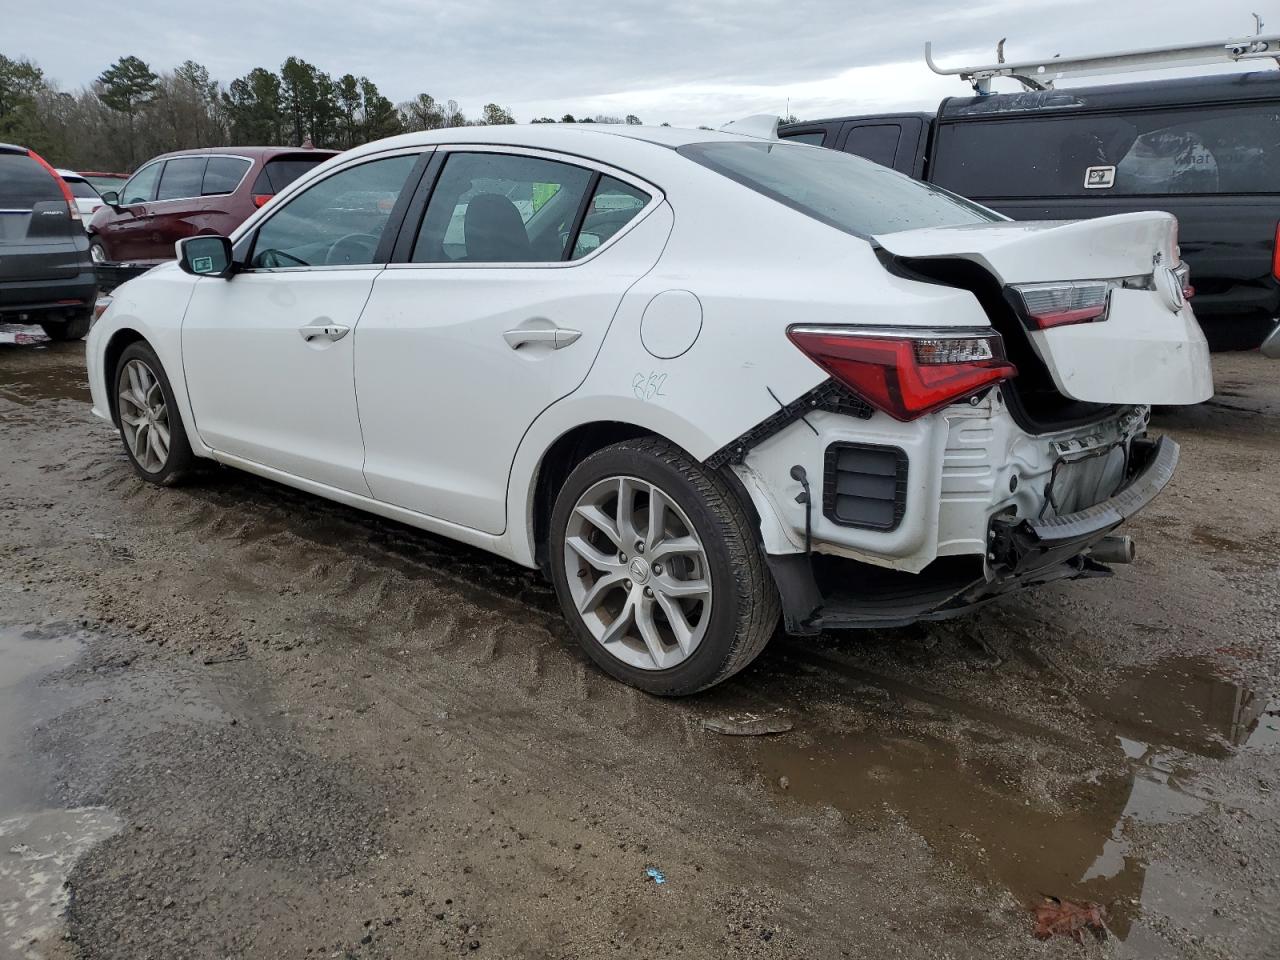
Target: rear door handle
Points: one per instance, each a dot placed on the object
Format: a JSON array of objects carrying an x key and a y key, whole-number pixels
[
  {"x": 323, "y": 331},
  {"x": 556, "y": 338}
]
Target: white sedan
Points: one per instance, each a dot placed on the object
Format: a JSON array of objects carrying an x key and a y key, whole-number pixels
[
  {"x": 88, "y": 200},
  {"x": 707, "y": 382}
]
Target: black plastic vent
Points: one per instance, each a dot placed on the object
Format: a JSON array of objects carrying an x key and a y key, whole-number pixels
[{"x": 865, "y": 485}]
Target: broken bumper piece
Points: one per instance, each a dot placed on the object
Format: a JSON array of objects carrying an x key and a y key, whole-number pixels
[{"x": 822, "y": 593}]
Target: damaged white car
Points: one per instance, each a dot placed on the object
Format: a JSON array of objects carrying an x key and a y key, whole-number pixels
[{"x": 707, "y": 382}]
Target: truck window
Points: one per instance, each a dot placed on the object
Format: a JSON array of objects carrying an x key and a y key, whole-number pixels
[
  {"x": 1209, "y": 150},
  {"x": 877, "y": 142},
  {"x": 813, "y": 138}
]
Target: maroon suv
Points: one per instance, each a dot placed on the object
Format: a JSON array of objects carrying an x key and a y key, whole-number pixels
[{"x": 190, "y": 192}]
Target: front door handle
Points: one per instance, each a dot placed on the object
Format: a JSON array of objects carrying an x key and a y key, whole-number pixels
[
  {"x": 556, "y": 337},
  {"x": 324, "y": 331}
]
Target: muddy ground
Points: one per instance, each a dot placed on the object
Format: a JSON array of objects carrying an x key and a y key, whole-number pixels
[{"x": 238, "y": 721}]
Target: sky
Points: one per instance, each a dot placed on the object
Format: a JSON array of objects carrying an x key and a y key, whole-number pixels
[{"x": 686, "y": 63}]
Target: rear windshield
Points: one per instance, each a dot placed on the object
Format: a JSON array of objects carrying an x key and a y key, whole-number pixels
[
  {"x": 81, "y": 189},
  {"x": 846, "y": 192},
  {"x": 1207, "y": 150},
  {"x": 279, "y": 173},
  {"x": 24, "y": 183}
]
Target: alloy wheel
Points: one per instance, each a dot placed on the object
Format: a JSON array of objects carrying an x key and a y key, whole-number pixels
[
  {"x": 144, "y": 416},
  {"x": 638, "y": 573}
]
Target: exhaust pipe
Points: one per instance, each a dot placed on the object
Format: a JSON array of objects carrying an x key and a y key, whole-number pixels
[{"x": 1113, "y": 550}]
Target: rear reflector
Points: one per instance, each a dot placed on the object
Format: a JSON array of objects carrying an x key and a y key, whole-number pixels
[{"x": 906, "y": 375}]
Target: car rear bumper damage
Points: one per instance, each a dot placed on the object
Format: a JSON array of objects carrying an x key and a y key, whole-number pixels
[{"x": 821, "y": 593}]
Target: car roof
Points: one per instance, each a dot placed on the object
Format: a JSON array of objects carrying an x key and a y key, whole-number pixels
[
  {"x": 251, "y": 153},
  {"x": 12, "y": 148},
  {"x": 1183, "y": 91},
  {"x": 607, "y": 143}
]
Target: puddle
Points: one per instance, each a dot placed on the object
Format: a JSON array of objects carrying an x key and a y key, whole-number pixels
[
  {"x": 38, "y": 844},
  {"x": 29, "y": 375},
  {"x": 978, "y": 807}
]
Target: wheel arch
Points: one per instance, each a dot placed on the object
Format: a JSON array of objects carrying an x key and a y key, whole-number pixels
[
  {"x": 111, "y": 359},
  {"x": 573, "y": 446}
]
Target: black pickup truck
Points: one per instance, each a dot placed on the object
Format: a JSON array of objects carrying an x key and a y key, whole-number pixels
[{"x": 1206, "y": 149}]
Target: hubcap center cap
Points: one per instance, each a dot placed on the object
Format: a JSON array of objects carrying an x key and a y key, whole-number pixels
[{"x": 639, "y": 570}]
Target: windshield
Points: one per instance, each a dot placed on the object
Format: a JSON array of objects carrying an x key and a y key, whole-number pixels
[{"x": 841, "y": 190}]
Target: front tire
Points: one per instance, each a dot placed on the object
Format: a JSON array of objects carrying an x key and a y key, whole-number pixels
[
  {"x": 151, "y": 428},
  {"x": 657, "y": 569}
]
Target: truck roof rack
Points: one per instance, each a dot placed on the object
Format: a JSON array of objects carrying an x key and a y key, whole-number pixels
[{"x": 1041, "y": 74}]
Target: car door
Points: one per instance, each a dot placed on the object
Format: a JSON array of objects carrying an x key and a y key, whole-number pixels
[
  {"x": 268, "y": 352},
  {"x": 498, "y": 309},
  {"x": 127, "y": 236}
]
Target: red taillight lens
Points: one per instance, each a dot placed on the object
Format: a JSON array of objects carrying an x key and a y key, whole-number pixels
[
  {"x": 67, "y": 195},
  {"x": 260, "y": 199},
  {"x": 1050, "y": 305},
  {"x": 906, "y": 376},
  {"x": 1275, "y": 255}
]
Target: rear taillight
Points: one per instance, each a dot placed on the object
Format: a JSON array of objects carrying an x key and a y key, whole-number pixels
[
  {"x": 906, "y": 374},
  {"x": 261, "y": 199},
  {"x": 67, "y": 195},
  {"x": 1049, "y": 305},
  {"x": 1275, "y": 255}
]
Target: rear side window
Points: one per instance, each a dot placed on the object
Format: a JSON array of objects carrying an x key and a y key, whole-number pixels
[
  {"x": 876, "y": 142},
  {"x": 181, "y": 178},
  {"x": 613, "y": 206},
  {"x": 1158, "y": 153},
  {"x": 840, "y": 190},
  {"x": 500, "y": 208},
  {"x": 24, "y": 182},
  {"x": 223, "y": 175},
  {"x": 279, "y": 173},
  {"x": 81, "y": 189}
]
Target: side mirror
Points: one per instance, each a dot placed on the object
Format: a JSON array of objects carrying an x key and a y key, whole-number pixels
[
  {"x": 111, "y": 198},
  {"x": 206, "y": 256}
]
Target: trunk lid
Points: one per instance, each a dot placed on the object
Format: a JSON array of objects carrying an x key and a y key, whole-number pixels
[
  {"x": 1147, "y": 350},
  {"x": 37, "y": 232}
]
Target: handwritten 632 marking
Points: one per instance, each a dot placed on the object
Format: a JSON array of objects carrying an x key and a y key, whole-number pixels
[{"x": 648, "y": 386}]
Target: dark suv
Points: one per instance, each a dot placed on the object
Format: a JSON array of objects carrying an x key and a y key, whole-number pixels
[
  {"x": 46, "y": 274},
  {"x": 190, "y": 192},
  {"x": 1206, "y": 149}
]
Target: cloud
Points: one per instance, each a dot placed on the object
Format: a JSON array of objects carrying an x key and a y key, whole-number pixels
[{"x": 688, "y": 62}]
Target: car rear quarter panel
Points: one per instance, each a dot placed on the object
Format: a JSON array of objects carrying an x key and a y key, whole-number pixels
[{"x": 756, "y": 268}]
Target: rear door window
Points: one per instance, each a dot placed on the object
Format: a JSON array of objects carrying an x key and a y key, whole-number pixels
[
  {"x": 501, "y": 208},
  {"x": 181, "y": 178},
  {"x": 1209, "y": 150},
  {"x": 877, "y": 142},
  {"x": 223, "y": 175}
]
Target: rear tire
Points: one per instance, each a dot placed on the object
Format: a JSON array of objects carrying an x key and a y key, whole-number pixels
[
  {"x": 64, "y": 330},
  {"x": 150, "y": 424},
  {"x": 674, "y": 610}
]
